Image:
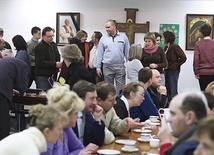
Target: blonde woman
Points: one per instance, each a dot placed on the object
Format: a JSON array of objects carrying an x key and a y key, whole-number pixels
[
  {"x": 45, "y": 125},
  {"x": 68, "y": 102},
  {"x": 134, "y": 64}
]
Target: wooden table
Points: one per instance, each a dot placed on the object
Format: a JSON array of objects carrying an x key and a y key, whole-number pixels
[
  {"x": 29, "y": 99},
  {"x": 142, "y": 146}
]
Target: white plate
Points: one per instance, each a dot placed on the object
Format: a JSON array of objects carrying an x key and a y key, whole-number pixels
[
  {"x": 108, "y": 151},
  {"x": 142, "y": 131},
  {"x": 124, "y": 141},
  {"x": 143, "y": 140},
  {"x": 129, "y": 150}
]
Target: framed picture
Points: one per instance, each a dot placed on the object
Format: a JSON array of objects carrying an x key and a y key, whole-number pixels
[
  {"x": 193, "y": 24},
  {"x": 67, "y": 25}
]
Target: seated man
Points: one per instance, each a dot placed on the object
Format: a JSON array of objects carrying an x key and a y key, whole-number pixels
[
  {"x": 186, "y": 110},
  {"x": 106, "y": 94},
  {"x": 147, "y": 107},
  {"x": 89, "y": 123},
  {"x": 157, "y": 92},
  {"x": 206, "y": 137},
  {"x": 132, "y": 95}
]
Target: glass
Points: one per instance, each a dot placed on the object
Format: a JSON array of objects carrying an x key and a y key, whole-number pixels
[
  {"x": 50, "y": 36},
  {"x": 141, "y": 95}
]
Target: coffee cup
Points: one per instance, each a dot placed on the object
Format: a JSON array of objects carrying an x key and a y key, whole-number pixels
[
  {"x": 154, "y": 143},
  {"x": 145, "y": 136},
  {"x": 153, "y": 118},
  {"x": 129, "y": 145},
  {"x": 164, "y": 111}
]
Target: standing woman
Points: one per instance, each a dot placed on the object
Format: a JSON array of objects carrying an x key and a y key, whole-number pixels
[
  {"x": 203, "y": 63},
  {"x": 134, "y": 64},
  {"x": 153, "y": 56},
  {"x": 45, "y": 125},
  {"x": 175, "y": 57},
  {"x": 21, "y": 46}
]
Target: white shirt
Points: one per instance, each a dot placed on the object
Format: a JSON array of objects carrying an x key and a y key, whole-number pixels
[
  {"x": 81, "y": 125},
  {"x": 126, "y": 103},
  {"x": 93, "y": 57},
  {"x": 133, "y": 68}
]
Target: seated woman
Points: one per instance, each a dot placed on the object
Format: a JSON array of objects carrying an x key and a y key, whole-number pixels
[
  {"x": 75, "y": 68},
  {"x": 45, "y": 125},
  {"x": 68, "y": 102}
]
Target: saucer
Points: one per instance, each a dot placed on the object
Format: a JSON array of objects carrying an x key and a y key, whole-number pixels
[
  {"x": 154, "y": 123},
  {"x": 129, "y": 150},
  {"x": 124, "y": 141},
  {"x": 108, "y": 151},
  {"x": 143, "y": 140},
  {"x": 142, "y": 131}
]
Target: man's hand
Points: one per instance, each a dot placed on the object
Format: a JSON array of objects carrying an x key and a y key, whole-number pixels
[
  {"x": 99, "y": 72},
  {"x": 133, "y": 123},
  {"x": 97, "y": 113},
  {"x": 162, "y": 90},
  {"x": 58, "y": 64}
]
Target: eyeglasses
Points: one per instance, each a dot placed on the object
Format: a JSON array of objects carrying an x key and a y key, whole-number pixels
[
  {"x": 50, "y": 36},
  {"x": 141, "y": 95}
]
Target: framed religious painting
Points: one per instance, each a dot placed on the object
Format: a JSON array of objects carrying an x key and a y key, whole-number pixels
[
  {"x": 193, "y": 24},
  {"x": 67, "y": 25}
]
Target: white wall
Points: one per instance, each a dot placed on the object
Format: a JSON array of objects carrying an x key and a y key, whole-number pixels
[{"x": 19, "y": 16}]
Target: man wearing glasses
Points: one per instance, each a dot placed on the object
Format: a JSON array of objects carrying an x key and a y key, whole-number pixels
[{"x": 47, "y": 59}]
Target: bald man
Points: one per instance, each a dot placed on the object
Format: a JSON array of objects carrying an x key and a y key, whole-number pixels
[
  {"x": 157, "y": 92},
  {"x": 186, "y": 111}
]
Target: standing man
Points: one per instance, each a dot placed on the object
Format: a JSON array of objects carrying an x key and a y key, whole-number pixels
[
  {"x": 31, "y": 44},
  {"x": 47, "y": 60},
  {"x": 113, "y": 51},
  {"x": 92, "y": 64},
  {"x": 14, "y": 75}
]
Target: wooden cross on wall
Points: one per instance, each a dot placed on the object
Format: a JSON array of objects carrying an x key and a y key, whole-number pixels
[{"x": 130, "y": 27}]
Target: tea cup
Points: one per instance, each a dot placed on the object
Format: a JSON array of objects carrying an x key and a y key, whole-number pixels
[
  {"x": 129, "y": 145},
  {"x": 154, "y": 143},
  {"x": 145, "y": 136},
  {"x": 153, "y": 118}
]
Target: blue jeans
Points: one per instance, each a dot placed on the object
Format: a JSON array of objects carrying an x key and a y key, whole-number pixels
[
  {"x": 42, "y": 83},
  {"x": 171, "y": 82}
]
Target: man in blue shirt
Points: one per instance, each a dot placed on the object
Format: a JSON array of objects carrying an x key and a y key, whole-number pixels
[
  {"x": 147, "y": 107},
  {"x": 113, "y": 51}
]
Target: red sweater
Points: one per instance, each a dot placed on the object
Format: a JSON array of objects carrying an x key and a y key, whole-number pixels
[{"x": 203, "y": 63}]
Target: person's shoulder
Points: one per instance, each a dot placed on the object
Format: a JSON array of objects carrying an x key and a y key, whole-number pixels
[{"x": 186, "y": 147}]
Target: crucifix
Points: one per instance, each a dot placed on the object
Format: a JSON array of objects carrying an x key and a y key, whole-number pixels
[{"x": 131, "y": 27}]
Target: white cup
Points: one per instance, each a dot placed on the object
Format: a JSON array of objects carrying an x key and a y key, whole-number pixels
[
  {"x": 129, "y": 145},
  {"x": 145, "y": 136},
  {"x": 153, "y": 118},
  {"x": 164, "y": 111},
  {"x": 154, "y": 143}
]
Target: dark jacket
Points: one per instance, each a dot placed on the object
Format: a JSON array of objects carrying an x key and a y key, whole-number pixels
[
  {"x": 175, "y": 57},
  {"x": 14, "y": 75},
  {"x": 77, "y": 71},
  {"x": 46, "y": 57},
  {"x": 93, "y": 132},
  {"x": 160, "y": 100},
  {"x": 120, "y": 109}
]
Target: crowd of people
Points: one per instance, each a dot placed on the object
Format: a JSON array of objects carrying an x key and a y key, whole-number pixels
[{"x": 87, "y": 93}]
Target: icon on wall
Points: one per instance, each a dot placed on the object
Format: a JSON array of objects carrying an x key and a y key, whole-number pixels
[{"x": 67, "y": 25}]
